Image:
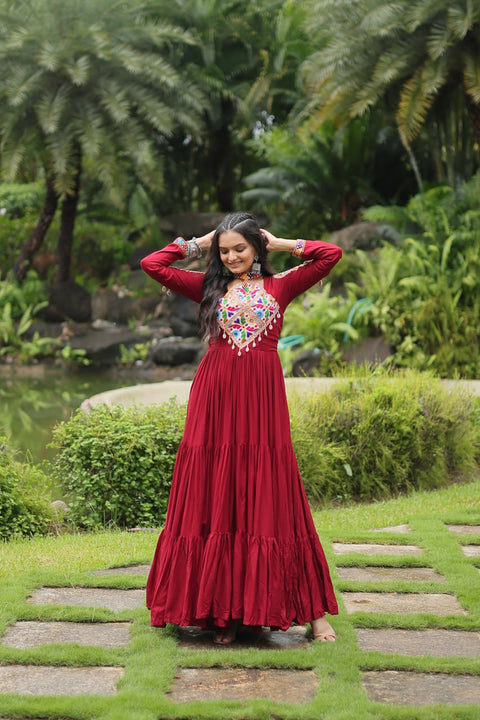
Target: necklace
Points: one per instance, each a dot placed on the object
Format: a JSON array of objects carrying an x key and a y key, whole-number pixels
[{"x": 247, "y": 276}]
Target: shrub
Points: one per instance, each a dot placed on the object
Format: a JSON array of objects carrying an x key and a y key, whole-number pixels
[
  {"x": 115, "y": 463},
  {"x": 16, "y": 199},
  {"x": 377, "y": 437},
  {"x": 23, "y": 509},
  {"x": 368, "y": 438}
]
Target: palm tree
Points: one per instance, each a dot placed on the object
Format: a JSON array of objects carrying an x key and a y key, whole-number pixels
[
  {"x": 422, "y": 58},
  {"x": 233, "y": 40},
  {"x": 87, "y": 79}
]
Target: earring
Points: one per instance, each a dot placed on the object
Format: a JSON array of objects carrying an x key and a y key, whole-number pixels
[{"x": 256, "y": 267}]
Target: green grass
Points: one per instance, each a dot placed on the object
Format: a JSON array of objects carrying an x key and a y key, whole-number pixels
[{"x": 153, "y": 656}]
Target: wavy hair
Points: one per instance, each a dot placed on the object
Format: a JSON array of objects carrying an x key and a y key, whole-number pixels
[{"x": 217, "y": 277}]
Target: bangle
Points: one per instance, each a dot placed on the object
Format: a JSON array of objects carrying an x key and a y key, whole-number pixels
[
  {"x": 299, "y": 248},
  {"x": 194, "y": 249}
]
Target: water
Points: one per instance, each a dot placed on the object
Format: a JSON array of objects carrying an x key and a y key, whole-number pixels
[{"x": 30, "y": 406}]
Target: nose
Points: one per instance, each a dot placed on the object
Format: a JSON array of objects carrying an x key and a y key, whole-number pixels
[{"x": 232, "y": 256}]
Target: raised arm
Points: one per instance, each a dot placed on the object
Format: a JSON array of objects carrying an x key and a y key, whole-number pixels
[
  {"x": 185, "y": 282},
  {"x": 319, "y": 259}
]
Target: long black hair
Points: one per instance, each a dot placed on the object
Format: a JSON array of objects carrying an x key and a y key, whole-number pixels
[{"x": 217, "y": 276}]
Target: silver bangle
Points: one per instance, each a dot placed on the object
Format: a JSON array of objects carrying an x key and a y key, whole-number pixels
[{"x": 193, "y": 249}]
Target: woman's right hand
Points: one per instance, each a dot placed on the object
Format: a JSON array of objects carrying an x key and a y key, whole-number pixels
[{"x": 206, "y": 240}]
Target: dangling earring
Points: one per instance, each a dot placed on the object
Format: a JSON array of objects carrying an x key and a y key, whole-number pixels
[{"x": 256, "y": 267}]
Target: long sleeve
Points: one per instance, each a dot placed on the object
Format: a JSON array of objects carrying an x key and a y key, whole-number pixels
[
  {"x": 185, "y": 282},
  {"x": 320, "y": 257}
]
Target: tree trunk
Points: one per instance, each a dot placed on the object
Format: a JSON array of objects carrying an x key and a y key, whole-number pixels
[
  {"x": 474, "y": 110},
  {"x": 37, "y": 236},
  {"x": 222, "y": 158},
  {"x": 67, "y": 223},
  {"x": 413, "y": 161}
]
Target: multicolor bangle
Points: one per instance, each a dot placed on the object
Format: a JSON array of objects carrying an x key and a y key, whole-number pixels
[{"x": 299, "y": 248}]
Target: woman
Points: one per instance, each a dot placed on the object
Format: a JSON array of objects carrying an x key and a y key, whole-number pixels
[{"x": 239, "y": 544}]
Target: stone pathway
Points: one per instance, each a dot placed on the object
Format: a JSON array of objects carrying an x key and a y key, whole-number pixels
[{"x": 191, "y": 684}]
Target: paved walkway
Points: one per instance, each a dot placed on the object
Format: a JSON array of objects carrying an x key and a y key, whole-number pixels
[
  {"x": 157, "y": 393},
  {"x": 357, "y": 564}
]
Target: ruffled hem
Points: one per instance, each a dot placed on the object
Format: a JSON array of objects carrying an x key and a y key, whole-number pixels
[{"x": 262, "y": 581}]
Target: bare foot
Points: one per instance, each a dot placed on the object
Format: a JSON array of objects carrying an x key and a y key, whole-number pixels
[
  {"x": 322, "y": 630},
  {"x": 227, "y": 635}
]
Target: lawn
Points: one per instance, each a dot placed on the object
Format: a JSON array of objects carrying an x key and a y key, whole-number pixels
[{"x": 153, "y": 656}]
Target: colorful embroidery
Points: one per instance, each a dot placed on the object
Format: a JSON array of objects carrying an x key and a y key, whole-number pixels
[
  {"x": 182, "y": 245},
  {"x": 245, "y": 313},
  {"x": 299, "y": 248},
  {"x": 294, "y": 269}
]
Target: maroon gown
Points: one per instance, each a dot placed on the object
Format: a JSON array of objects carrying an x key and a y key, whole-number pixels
[{"x": 239, "y": 540}]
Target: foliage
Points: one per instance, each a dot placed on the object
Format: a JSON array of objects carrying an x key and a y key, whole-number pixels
[
  {"x": 368, "y": 438},
  {"x": 16, "y": 199},
  {"x": 321, "y": 318},
  {"x": 315, "y": 183},
  {"x": 379, "y": 436},
  {"x": 421, "y": 57},
  {"x": 100, "y": 248},
  {"x": 88, "y": 81},
  {"x": 13, "y": 233},
  {"x": 425, "y": 293},
  {"x": 24, "y": 510},
  {"x": 115, "y": 464},
  {"x": 137, "y": 354}
]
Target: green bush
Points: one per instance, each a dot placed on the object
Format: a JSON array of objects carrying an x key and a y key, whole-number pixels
[
  {"x": 16, "y": 199},
  {"x": 24, "y": 511},
  {"x": 368, "y": 438},
  {"x": 377, "y": 437},
  {"x": 115, "y": 463}
]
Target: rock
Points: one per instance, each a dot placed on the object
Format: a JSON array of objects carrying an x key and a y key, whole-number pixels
[
  {"x": 364, "y": 236},
  {"x": 307, "y": 362},
  {"x": 68, "y": 300},
  {"x": 371, "y": 350},
  {"x": 183, "y": 316},
  {"x": 103, "y": 348},
  {"x": 107, "y": 304},
  {"x": 175, "y": 350},
  {"x": 43, "y": 329},
  {"x": 59, "y": 507}
]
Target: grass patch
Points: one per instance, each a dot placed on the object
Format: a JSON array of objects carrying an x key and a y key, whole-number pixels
[{"x": 151, "y": 659}]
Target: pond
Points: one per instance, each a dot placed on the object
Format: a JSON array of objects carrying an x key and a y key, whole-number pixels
[{"x": 33, "y": 401}]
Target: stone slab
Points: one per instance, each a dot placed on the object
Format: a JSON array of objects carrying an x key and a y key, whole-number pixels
[
  {"x": 394, "y": 529},
  {"x": 109, "y": 598},
  {"x": 375, "y": 549},
  {"x": 439, "y": 643},
  {"x": 388, "y": 574},
  {"x": 471, "y": 550},
  {"x": 193, "y": 638},
  {"x": 54, "y": 680},
  {"x": 290, "y": 686},
  {"x": 28, "y": 634},
  {"x": 464, "y": 529},
  {"x": 378, "y": 602},
  {"x": 410, "y": 688},
  {"x": 124, "y": 570}
]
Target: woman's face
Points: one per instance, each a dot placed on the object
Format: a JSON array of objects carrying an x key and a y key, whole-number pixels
[{"x": 236, "y": 253}]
